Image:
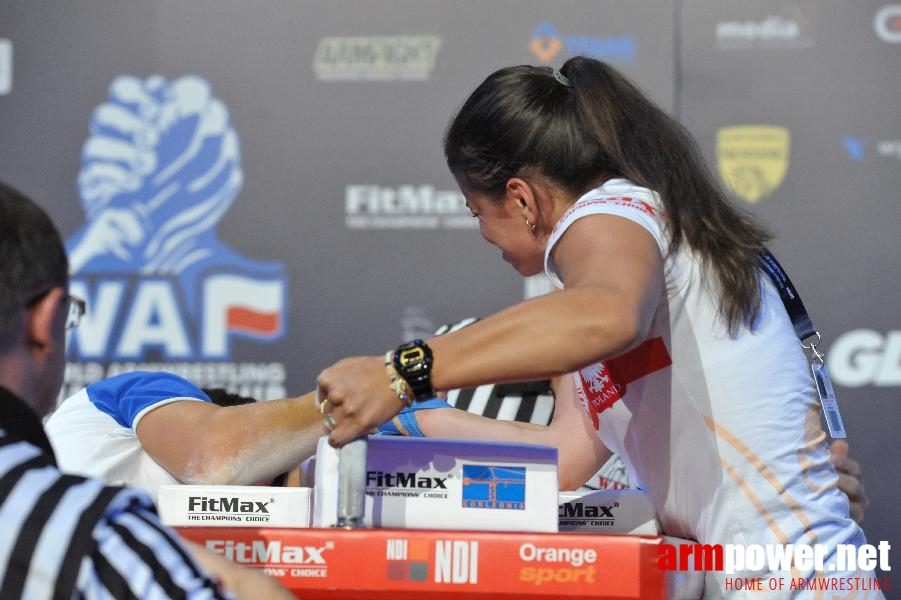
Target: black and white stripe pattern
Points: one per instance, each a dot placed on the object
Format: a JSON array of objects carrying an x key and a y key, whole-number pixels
[
  {"x": 65, "y": 536},
  {"x": 526, "y": 402}
]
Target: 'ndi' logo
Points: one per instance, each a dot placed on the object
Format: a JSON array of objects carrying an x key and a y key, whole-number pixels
[
  {"x": 486, "y": 486},
  {"x": 160, "y": 168},
  {"x": 407, "y": 560}
]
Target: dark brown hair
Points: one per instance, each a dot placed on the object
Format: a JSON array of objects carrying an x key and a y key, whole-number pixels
[{"x": 596, "y": 125}]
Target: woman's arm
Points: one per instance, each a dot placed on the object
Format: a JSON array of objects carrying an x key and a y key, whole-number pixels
[
  {"x": 613, "y": 272},
  {"x": 579, "y": 451}
]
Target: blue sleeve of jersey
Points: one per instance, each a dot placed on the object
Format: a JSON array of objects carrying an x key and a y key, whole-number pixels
[{"x": 124, "y": 396}]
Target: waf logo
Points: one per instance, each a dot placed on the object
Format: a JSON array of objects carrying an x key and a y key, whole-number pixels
[
  {"x": 603, "y": 384},
  {"x": 487, "y": 486},
  {"x": 160, "y": 168},
  {"x": 753, "y": 159}
]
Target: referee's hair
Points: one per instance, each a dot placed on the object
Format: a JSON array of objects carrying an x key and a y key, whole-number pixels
[{"x": 32, "y": 256}]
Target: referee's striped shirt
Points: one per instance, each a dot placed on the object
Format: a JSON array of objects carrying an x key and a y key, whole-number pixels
[{"x": 66, "y": 536}]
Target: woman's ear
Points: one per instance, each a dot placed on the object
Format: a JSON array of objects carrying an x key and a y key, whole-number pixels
[{"x": 523, "y": 197}]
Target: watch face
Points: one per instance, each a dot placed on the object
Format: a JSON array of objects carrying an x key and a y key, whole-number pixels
[
  {"x": 413, "y": 362},
  {"x": 413, "y": 355}
]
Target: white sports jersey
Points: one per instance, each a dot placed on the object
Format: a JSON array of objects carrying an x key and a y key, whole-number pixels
[
  {"x": 531, "y": 402},
  {"x": 93, "y": 431},
  {"x": 723, "y": 432}
]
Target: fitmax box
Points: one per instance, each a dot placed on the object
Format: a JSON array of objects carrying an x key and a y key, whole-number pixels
[
  {"x": 427, "y": 483},
  {"x": 607, "y": 511},
  {"x": 234, "y": 506}
]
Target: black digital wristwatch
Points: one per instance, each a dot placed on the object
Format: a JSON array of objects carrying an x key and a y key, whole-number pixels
[{"x": 413, "y": 363}]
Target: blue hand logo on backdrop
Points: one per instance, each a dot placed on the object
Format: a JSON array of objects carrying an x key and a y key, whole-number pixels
[{"x": 160, "y": 168}]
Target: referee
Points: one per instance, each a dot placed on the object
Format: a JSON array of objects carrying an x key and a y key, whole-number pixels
[{"x": 64, "y": 536}]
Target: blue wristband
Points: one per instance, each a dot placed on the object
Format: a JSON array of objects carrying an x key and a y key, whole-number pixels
[{"x": 405, "y": 422}]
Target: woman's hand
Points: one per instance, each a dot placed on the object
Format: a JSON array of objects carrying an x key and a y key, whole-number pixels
[
  {"x": 355, "y": 397},
  {"x": 850, "y": 479}
]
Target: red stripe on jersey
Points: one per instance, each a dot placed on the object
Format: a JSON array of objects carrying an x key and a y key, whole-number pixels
[{"x": 606, "y": 382}]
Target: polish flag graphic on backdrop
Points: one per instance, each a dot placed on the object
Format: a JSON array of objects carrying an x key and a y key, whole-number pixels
[{"x": 239, "y": 305}]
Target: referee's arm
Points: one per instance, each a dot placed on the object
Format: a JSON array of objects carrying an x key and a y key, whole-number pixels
[{"x": 136, "y": 556}]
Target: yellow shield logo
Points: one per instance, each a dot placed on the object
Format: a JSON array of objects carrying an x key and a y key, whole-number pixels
[{"x": 753, "y": 159}]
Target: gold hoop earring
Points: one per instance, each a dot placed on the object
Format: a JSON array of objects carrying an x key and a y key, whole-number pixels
[{"x": 531, "y": 226}]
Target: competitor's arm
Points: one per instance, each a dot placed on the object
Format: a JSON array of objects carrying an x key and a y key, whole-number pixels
[
  {"x": 579, "y": 451},
  {"x": 199, "y": 442},
  {"x": 603, "y": 312},
  {"x": 608, "y": 310}
]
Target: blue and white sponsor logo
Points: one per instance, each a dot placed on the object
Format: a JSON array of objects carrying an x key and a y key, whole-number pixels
[
  {"x": 160, "y": 168},
  {"x": 548, "y": 45},
  {"x": 861, "y": 149},
  {"x": 489, "y": 486}
]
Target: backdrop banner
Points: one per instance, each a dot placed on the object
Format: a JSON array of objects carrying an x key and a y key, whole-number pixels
[{"x": 251, "y": 191}]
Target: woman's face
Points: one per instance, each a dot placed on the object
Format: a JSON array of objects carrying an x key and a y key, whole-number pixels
[{"x": 502, "y": 224}]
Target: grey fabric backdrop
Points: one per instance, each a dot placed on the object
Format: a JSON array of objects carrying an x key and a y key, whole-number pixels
[{"x": 347, "y": 235}]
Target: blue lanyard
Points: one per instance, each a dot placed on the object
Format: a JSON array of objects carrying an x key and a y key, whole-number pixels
[
  {"x": 790, "y": 298},
  {"x": 804, "y": 329}
]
